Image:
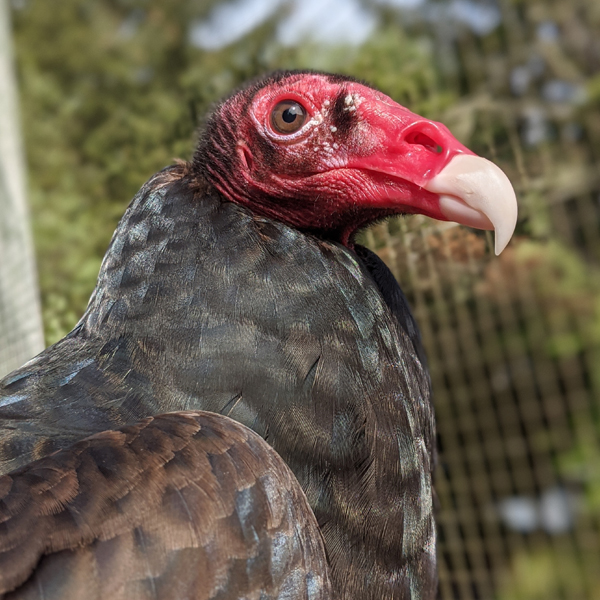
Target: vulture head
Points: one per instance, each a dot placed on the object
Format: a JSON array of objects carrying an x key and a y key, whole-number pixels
[{"x": 328, "y": 154}]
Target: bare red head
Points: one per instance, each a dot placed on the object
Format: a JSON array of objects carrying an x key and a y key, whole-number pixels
[{"x": 326, "y": 153}]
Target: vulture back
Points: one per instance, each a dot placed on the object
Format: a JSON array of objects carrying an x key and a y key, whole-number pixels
[{"x": 202, "y": 305}]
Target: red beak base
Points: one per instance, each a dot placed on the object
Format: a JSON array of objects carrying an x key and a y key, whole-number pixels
[{"x": 468, "y": 189}]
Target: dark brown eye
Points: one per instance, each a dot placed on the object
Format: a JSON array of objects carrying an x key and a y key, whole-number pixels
[{"x": 288, "y": 116}]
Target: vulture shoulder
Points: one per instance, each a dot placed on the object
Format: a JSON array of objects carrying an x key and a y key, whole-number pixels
[
  {"x": 181, "y": 505},
  {"x": 394, "y": 297}
]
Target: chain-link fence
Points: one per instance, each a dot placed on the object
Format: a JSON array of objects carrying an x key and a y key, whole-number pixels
[{"x": 514, "y": 341}]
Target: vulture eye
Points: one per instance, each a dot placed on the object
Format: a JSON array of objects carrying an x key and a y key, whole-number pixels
[{"x": 288, "y": 116}]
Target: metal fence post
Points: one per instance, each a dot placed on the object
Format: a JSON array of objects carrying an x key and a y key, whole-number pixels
[{"x": 21, "y": 332}]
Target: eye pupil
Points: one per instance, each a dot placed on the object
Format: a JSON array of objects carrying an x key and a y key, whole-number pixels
[{"x": 288, "y": 116}]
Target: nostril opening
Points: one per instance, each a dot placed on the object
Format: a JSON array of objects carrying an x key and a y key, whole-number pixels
[{"x": 417, "y": 137}]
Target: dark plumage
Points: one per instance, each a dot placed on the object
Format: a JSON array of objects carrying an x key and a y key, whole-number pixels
[
  {"x": 229, "y": 290},
  {"x": 172, "y": 507}
]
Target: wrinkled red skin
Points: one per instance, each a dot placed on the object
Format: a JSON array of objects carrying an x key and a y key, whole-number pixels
[{"x": 359, "y": 156}]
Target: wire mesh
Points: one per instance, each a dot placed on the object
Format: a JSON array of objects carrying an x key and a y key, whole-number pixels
[{"x": 513, "y": 341}]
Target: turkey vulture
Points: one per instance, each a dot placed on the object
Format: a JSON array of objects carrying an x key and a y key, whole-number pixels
[{"x": 237, "y": 335}]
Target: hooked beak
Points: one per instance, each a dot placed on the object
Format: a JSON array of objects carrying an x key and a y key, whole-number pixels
[
  {"x": 473, "y": 191},
  {"x": 453, "y": 183}
]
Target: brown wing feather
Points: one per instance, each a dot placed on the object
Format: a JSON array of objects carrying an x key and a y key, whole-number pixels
[{"x": 182, "y": 505}]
